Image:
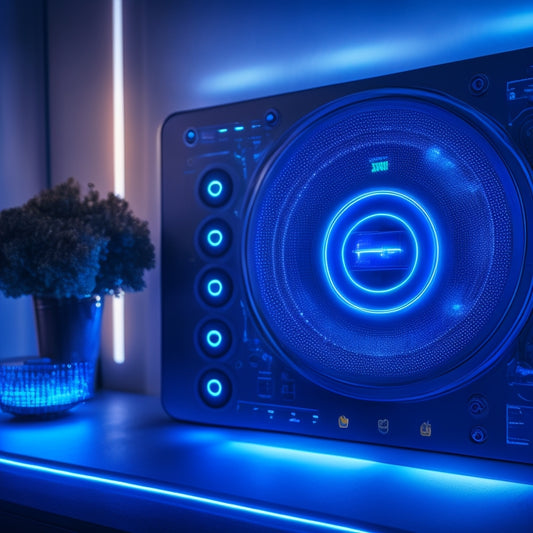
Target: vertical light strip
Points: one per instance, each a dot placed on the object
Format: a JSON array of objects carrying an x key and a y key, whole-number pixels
[{"x": 119, "y": 161}]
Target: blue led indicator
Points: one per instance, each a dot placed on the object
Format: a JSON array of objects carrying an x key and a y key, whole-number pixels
[
  {"x": 238, "y": 128},
  {"x": 215, "y": 288},
  {"x": 215, "y": 237},
  {"x": 215, "y": 188},
  {"x": 223, "y": 130},
  {"x": 190, "y": 136},
  {"x": 214, "y": 338},
  {"x": 212, "y": 503},
  {"x": 214, "y": 387}
]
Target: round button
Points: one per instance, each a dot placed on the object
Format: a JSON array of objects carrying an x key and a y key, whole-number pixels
[
  {"x": 215, "y": 388},
  {"x": 215, "y": 338},
  {"x": 271, "y": 117},
  {"x": 215, "y": 287},
  {"x": 478, "y": 434},
  {"x": 215, "y": 237},
  {"x": 216, "y": 188},
  {"x": 191, "y": 137}
]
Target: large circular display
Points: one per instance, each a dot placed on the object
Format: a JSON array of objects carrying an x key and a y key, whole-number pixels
[{"x": 385, "y": 244}]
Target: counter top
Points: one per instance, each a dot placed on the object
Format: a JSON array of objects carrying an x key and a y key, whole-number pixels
[{"x": 120, "y": 462}]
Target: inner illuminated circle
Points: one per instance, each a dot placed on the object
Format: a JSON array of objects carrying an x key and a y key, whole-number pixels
[{"x": 380, "y": 253}]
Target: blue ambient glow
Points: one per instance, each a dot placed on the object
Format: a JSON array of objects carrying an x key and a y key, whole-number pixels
[
  {"x": 183, "y": 496},
  {"x": 43, "y": 388},
  {"x": 356, "y": 266},
  {"x": 214, "y": 338},
  {"x": 376, "y": 469},
  {"x": 215, "y": 188},
  {"x": 214, "y": 387}
]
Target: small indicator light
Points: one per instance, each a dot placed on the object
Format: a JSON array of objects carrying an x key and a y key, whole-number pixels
[
  {"x": 215, "y": 189},
  {"x": 215, "y": 288},
  {"x": 214, "y": 338},
  {"x": 215, "y": 237},
  {"x": 191, "y": 136},
  {"x": 271, "y": 117},
  {"x": 223, "y": 130},
  {"x": 214, "y": 387},
  {"x": 238, "y": 128}
]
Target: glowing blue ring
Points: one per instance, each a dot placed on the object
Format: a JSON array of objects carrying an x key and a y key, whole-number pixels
[
  {"x": 215, "y": 238},
  {"x": 209, "y": 338},
  {"x": 214, "y": 387},
  {"x": 215, "y": 292},
  {"x": 413, "y": 268},
  {"x": 215, "y": 188},
  {"x": 436, "y": 253}
]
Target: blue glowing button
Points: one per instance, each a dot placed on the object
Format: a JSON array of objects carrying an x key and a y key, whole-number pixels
[
  {"x": 215, "y": 287},
  {"x": 215, "y": 388},
  {"x": 215, "y": 338},
  {"x": 271, "y": 117},
  {"x": 190, "y": 137},
  {"x": 216, "y": 188},
  {"x": 215, "y": 237}
]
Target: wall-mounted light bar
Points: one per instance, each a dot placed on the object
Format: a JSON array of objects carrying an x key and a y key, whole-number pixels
[{"x": 119, "y": 161}]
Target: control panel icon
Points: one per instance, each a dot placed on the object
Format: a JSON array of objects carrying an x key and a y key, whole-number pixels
[
  {"x": 425, "y": 429},
  {"x": 344, "y": 422},
  {"x": 383, "y": 426}
]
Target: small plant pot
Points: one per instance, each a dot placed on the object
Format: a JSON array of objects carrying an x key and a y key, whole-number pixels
[{"x": 68, "y": 329}]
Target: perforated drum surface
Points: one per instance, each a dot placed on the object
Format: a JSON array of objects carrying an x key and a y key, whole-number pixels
[{"x": 384, "y": 245}]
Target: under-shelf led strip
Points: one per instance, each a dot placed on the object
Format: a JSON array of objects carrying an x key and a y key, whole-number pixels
[
  {"x": 315, "y": 524},
  {"x": 119, "y": 161}
]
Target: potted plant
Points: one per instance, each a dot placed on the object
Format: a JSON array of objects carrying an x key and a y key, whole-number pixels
[{"x": 69, "y": 250}]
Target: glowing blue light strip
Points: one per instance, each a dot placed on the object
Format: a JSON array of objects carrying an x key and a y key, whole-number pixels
[
  {"x": 119, "y": 162},
  {"x": 185, "y": 496},
  {"x": 380, "y": 251}
]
